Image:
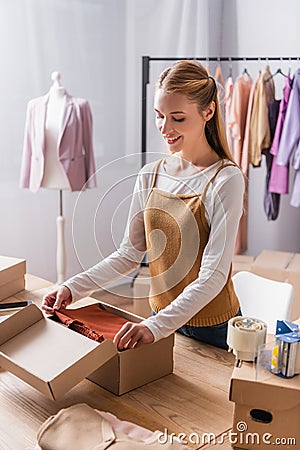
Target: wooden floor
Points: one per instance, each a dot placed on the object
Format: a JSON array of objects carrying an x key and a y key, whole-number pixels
[{"x": 193, "y": 400}]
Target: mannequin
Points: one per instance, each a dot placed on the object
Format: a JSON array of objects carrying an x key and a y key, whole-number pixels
[
  {"x": 58, "y": 151},
  {"x": 54, "y": 175}
]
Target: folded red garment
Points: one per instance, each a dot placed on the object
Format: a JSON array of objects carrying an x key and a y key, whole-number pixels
[{"x": 92, "y": 321}]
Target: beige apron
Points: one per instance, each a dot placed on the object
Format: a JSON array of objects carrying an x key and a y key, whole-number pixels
[{"x": 176, "y": 235}]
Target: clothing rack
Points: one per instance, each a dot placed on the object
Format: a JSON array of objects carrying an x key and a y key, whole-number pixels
[{"x": 146, "y": 72}]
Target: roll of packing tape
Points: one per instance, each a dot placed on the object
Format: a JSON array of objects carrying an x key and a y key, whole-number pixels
[{"x": 245, "y": 335}]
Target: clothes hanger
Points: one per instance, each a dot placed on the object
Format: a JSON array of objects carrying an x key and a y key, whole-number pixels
[
  {"x": 230, "y": 68},
  {"x": 278, "y": 71},
  {"x": 245, "y": 71},
  {"x": 218, "y": 74},
  {"x": 207, "y": 66}
]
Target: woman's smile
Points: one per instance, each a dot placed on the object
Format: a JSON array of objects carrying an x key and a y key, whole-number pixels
[{"x": 172, "y": 140}]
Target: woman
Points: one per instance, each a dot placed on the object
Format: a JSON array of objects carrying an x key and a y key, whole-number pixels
[{"x": 185, "y": 212}]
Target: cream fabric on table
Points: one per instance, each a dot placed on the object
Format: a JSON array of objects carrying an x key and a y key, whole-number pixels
[{"x": 82, "y": 427}]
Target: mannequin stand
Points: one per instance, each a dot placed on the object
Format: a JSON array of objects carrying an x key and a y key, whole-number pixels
[{"x": 60, "y": 249}]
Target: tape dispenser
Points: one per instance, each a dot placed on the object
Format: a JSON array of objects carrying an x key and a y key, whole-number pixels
[{"x": 244, "y": 336}]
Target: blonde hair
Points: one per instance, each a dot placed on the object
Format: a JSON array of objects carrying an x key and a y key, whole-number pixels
[{"x": 190, "y": 78}]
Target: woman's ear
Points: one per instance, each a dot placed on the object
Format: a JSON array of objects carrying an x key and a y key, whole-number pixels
[{"x": 209, "y": 112}]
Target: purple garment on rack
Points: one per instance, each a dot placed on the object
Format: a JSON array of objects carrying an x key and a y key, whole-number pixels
[
  {"x": 279, "y": 179},
  {"x": 271, "y": 201},
  {"x": 290, "y": 138}
]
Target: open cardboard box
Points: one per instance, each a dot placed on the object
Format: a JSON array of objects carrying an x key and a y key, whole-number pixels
[
  {"x": 52, "y": 358},
  {"x": 267, "y": 409},
  {"x": 129, "y": 369}
]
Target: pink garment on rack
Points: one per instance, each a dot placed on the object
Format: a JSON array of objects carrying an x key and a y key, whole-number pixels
[
  {"x": 237, "y": 119},
  {"x": 279, "y": 179}
]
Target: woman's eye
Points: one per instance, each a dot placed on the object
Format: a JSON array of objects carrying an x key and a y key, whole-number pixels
[
  {"x": 159, "y": 117},
  {"x": 178, "y": 120}
]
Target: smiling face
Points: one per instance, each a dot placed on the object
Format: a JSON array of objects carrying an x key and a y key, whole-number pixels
[{"x": 180, "y": 123}]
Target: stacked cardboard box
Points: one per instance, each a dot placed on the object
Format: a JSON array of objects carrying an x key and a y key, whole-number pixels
[
  {"x": 267, "y": 410},
  {"x": 12, "y": 276},
  {"x": 241, "y": 262},
  {"x": 281, "y": 266}
]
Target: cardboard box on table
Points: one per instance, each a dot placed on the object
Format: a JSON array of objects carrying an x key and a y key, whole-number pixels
[
  {"x": 52, "y": 358},
  {"x": 12, "y": 276},
  {"x": 293, "y": 277},
  {"x": 281, "y": 266},
  {"x": 241, "y": 262},
  {"x": 267, "y": 410},
  {"x": 272, "y": 264}
]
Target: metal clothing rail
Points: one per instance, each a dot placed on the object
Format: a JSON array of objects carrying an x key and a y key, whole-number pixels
[{"x": 146, "y": 72}]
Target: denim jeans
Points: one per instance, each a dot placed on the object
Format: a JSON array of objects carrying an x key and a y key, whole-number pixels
[{"x": 214, "y": 335}]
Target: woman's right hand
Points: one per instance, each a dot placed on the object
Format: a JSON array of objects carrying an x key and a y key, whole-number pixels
[{"x": 59, "y": 298}]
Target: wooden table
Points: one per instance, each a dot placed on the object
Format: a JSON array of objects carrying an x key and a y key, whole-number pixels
[{"x": 193, "y": 399}]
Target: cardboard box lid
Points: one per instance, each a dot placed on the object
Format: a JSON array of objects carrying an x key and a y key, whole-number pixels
[
  {"x": 243, "y": 259},
  {"x": 11, "y": 269},
  {"x": 47, "y": 355},
  {"x": 272, "y": 393}
]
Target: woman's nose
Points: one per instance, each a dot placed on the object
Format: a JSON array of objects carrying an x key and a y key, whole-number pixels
[{"x": 165, "y": 127}]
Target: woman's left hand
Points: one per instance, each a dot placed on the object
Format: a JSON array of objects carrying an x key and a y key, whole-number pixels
[{"x": 133, "y": 335}]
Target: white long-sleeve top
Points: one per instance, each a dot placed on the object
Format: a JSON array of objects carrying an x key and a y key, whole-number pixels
[{"x": 223, "y": 206}]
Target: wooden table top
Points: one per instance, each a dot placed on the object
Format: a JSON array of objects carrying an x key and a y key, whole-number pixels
[{"x": 194, "y": 399}]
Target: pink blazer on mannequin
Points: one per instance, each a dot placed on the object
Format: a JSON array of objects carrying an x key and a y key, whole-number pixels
[{"x": 75, "y": 146}]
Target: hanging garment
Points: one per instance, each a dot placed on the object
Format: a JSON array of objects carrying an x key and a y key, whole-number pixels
[
  {"x": 80, "y": 427},
  {"x": 219, "y": 75},
  {"x": 219, "y": 80},
  {"x": 227, "y": 103},
  {"x": 290, "y": 138},
  {"x": 245, "y": 149},
  {"x": 271, "y": 200},
  {"x": 259, "y": 132},
  {"x": 175, "y": 259},
  {"x": 237, "y": 123},
  {"x": 242, "y": 236},
  {"x": 91, "y": 321},
  {"x": 279, "y": 179},
  {"x": 237, "y": 119},
  {"x": 74, "y": 149}
]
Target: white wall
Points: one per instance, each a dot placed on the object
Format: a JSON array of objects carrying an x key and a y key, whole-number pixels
[
  {"x": 97, "y": 46},
  {"x": 85, "y": 42}
]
